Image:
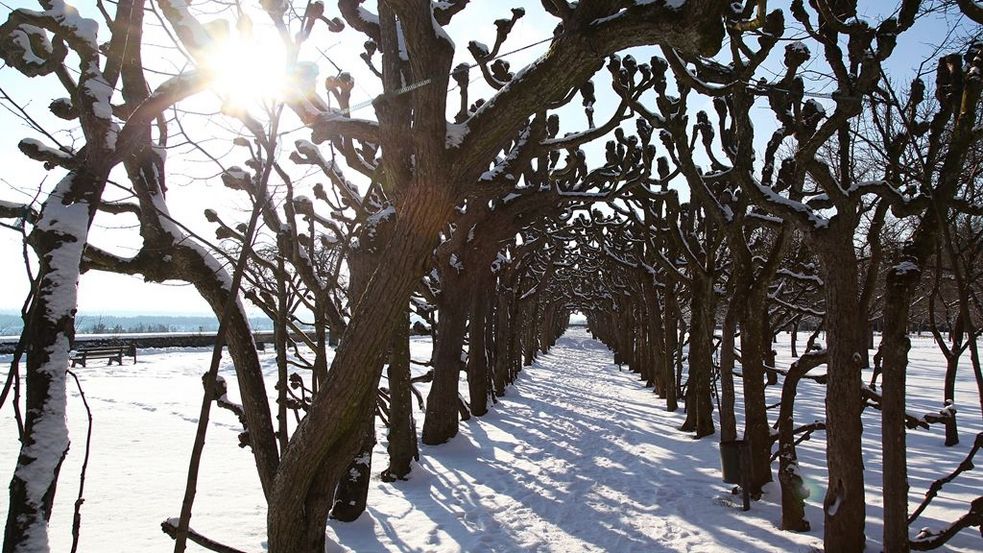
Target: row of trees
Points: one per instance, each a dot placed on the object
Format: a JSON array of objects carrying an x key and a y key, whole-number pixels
[{"x": 486, "y": 223}]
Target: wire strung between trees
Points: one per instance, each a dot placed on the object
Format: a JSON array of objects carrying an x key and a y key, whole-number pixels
[{"x": 419, "y": 84}]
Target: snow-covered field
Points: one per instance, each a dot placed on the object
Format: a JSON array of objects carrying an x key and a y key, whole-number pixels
[{"x": 577, "y": 457}]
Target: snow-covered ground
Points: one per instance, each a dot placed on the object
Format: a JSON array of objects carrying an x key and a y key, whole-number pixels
[{"x": 577, "y": 457}]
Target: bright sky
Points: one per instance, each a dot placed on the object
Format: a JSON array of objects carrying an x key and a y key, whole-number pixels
[{"x": 192, "y": 181}]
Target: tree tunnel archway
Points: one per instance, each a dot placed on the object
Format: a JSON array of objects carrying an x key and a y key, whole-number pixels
[{"x": 674, "y": 170}]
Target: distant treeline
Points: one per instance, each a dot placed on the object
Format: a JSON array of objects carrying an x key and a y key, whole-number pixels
[{"x": 11, "y": 324}]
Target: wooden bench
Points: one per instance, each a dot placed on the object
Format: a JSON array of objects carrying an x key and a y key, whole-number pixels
[{"x": 113, "y": 353}]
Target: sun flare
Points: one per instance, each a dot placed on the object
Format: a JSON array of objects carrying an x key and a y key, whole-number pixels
[{"x": 248, "y": 70}]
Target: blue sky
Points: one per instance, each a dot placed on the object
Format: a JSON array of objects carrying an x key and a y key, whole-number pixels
[{"x": 192, "y": 182}]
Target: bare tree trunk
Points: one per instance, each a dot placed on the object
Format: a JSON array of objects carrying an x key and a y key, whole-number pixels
[
  {"x": 728, "y": 421},
  {"x": 895, "y": 346},
  {"x": 699, "y": 406},
  {"x": 951, "y": 351},
  {"x": 644, "y": 347},
  {"x": 545, "y": 329},
  {"x": 663, "y": 377},
  {"x": 515, "y": 340},
  {"x": 503, "y": 338},
  {"x": 794, "y": 492},
  {"x": 280, "y": 344},
  {"x": 320, "y": 369},
  {"x": 328, "y": 438},
  {"x": 951, "y": 368},
  {"x": 441, "y": 421},
  {"x": 477, "y": 367},
  {"x": 974, "y": 356},
  {"x": 402, "y": 446},
  {"x": 844, "y": 504},
  {"x": 351, "y": 495},
  {"x": 794, "y": 338},
  {"x": 754, "y": 335},
  {"x": 671, "y": 327},
  {"x": 531, "y": 331},
  {"x": 768, "y": 352}
]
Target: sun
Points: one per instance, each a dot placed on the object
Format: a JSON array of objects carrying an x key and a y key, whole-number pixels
[{"x": 248, "y": 70}]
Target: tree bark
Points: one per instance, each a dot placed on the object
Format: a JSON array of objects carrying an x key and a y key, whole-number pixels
[
  {"x": 280, "y": 344},
  {"x": 326, "y": 440},
  {"x": 441, "y": 421},
  {"x": 503, "y": 339},
  {"x": 844, "y": 505},
  {"x": 754, "y": 335},
  {"x": 402, "y": 445},
  {"x": 895, "y": 346},
  {"x": 794, "y": 492},
  {"x": 794, "y": 338},
  {"x": 58, "y": 238},
  {"x": 660, "y": 367},
  {"x": 728, "y": 420},
  {"x": 477, "y": 366},
  {"x": 699, "y": 405},
  {"x": 671, "y": 327},
  {"x": 351, "y": 495}
]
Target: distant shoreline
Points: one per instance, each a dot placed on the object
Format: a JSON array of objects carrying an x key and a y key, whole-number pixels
[{"x": 106, "y": 323}]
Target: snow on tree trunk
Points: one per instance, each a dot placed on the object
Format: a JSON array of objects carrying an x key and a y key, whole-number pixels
[
  {"x": 186, "y": 259},
  {"x": 58, "y": 239},
  {"x": 351, "y": 496}
]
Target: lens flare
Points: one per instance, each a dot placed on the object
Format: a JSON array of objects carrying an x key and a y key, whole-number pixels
[{"x": 247, "y": 70}]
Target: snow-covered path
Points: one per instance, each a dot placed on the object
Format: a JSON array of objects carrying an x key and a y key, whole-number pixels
[{"x": 577, "y": 457}]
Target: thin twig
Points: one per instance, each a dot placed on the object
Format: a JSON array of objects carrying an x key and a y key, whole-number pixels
[
  {"x": 77, "y": 517},
  {"x": 936, "y": 486},
  {"x": 170, "y": 528},
  {"x": 191, "y": 488}
]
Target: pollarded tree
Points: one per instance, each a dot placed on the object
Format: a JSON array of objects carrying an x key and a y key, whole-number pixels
[
  {"x": 510, "y": 267},
  {"x": 714, "y": 190},
  {"x": 697, "y": 241},
  {"x": 428, "y": 175},
  {"x": 529, "y": 183},
  {"x": 43, "y": 43},
  {"x": 431, "y": 173},
  {"x": 929, "y": 149},
  {"x": 467, "y": 291},
  {"x": 953, "y": 320},
  {"x": 825, "y": 204}
]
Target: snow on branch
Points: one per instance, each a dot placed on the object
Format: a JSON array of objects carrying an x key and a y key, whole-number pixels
[
  {"x": 51, "y": 157},
  {"x": 192, "y": 33}
]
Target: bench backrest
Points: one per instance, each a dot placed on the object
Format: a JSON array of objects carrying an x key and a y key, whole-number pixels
[{"x": 112, "y": 349}]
